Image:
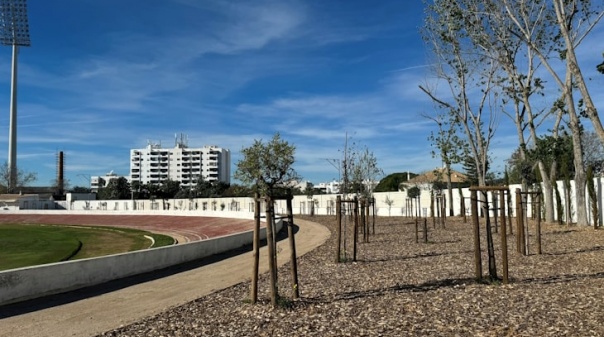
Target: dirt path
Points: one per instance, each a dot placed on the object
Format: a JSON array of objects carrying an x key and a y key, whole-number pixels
[{"x": 94, "y": 314}]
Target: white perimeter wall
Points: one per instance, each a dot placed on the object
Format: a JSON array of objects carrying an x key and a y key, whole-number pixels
[{"x": 324, "y": 204}]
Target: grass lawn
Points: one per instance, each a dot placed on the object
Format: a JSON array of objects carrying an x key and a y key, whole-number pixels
[{"x": 28, "y": 245}]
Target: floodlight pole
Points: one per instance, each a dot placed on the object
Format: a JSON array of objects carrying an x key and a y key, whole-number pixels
[
  {"x": 14, "y": 31},
  {"x": 12, "y": 134}
]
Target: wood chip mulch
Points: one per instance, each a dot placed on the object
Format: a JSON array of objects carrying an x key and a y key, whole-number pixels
[{"x": 398, "y": 287}]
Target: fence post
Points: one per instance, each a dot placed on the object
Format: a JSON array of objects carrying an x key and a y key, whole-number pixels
[{"x": 477, "y": 256}]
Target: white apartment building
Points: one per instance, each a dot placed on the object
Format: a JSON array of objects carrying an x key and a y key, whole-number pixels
[
  {"x": 330, "y": 187},
  {"x": 98, "y": 182},
  {"x": 154, "y": 164}
]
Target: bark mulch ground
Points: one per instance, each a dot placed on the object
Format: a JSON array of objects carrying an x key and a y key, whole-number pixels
[{"x": 398, "y": 287}]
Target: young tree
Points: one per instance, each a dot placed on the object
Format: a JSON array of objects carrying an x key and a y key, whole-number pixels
[
  {"x": 267, "y": 166},
  {"x": 22, "y": 179},
  {"x": 450, "y": 147},
  {"x": 389, "y": 202},
  {"x": 365, "y": 173}
]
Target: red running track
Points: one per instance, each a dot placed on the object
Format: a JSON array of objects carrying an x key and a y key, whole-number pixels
[{"x": 183, "y": 228}]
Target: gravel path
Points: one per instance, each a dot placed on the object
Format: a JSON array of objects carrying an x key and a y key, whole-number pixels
[{"x": 399, "y": 287}]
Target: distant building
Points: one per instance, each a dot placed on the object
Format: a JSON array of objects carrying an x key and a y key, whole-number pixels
[
  {"x": 98, "y": 182},
  {"x": 154, "y": 164},
  {"x": 332, "y": 187}
]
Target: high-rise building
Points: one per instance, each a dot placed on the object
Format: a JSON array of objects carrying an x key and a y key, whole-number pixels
[{"x": 154, "y": 164}]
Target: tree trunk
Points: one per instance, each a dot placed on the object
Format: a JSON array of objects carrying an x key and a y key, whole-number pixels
[
  {"x": 576, "y": 129},
  {"x": 548, "y": 193}
]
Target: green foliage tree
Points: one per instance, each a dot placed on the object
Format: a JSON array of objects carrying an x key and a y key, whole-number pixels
[
  {"x": 471, "y": 172},
  {"x": 169, "y": 188},
  {"x": 414, "y": 192},
  {"x": 267, "y": 166},
  {"x": 570, "y": 22},
  {"x": 392, "y": 182},
  {"x": 449, "y": 147},
  {"x": 209, "y": 189},
  {"x": 80, "y": 189},
  {"x": 116, "y": 189},
  {"x": 236, "y": 190},
  {"x": 520, "y": 169}
]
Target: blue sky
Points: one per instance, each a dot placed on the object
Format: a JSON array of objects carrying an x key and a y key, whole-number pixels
[{"x": 102, "y": 77}]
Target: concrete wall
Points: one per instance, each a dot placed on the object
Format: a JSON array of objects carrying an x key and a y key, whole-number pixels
[{"x": 31, "y": 282}]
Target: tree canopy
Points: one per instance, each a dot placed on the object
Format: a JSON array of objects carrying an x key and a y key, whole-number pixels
[
  {"x": 391, "y": 182},
  {"x": 267, "y": 166}
]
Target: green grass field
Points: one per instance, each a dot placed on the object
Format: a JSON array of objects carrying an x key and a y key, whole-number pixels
[{"x": 29, "y": 245}]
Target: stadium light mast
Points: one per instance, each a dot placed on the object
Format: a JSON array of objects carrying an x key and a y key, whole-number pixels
[{"x": 14, "y": 31}]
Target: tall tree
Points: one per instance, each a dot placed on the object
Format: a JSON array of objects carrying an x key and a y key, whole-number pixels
[
  {"x": 393, "y": 181},
  {"x": 576, "y": 19},
  {"x": 491, "y": 31},
  {"x": 573, "y": 20},
  {"x": 469, "y": 77}
]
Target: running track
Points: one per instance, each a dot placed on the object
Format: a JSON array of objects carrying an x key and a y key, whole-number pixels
[{"x": 183, "y": 228}]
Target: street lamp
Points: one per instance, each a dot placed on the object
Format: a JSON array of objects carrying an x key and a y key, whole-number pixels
[{"x": 14, "y": 31}]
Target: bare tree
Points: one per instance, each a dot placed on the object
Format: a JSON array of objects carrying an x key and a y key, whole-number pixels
[
  {"x": 22, "y": 179},
  {"x": 365, "y": 173}
]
